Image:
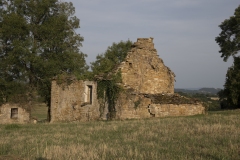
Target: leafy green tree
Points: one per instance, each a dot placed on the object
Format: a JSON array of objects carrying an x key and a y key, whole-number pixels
[
  {"x": 112, "y": 57},
  {"x": 229, "y": 42},
  {"x": 37, "y": 42},
  {"x": 229, "y": 38},
  {"x": 231, "y": 92}
]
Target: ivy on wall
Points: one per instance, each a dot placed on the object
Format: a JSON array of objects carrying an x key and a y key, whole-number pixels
[{"x": 108, "y": 91}]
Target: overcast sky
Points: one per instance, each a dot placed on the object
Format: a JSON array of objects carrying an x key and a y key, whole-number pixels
[{"x": 184, "y": 33}]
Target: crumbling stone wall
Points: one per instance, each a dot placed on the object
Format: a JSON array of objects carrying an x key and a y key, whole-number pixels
[
  {"x": 149, "y": 86},
  {"x": 148, "y": 91},
  {"x": 163, "y": 110},
  {"x": 144, "y": 71},
  {"x": 74, "y": 102},
  {"x": 13, "y": 113},
  {"x": 130, "y": 106},
  {"x": 160, "y": 110}
]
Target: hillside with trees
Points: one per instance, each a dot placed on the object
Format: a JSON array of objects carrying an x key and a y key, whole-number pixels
[
  {"x": 210, "y": 91},
  {"x": 209, "y": 96}
]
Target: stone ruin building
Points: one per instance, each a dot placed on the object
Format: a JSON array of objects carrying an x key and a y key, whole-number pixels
[
  {"x": 13, "y": 113},
  {"x": 75, "y": 102},
  {"x": 148, "y": 85}
]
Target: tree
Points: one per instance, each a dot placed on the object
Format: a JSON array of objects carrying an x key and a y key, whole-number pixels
[
  {"x": 112, "y": 57},
  {"x": 229, "y": 42},
  {"x": 230, "y": 96},
  {"x": 37, "y": 42},
  {"x": 229, "y": 38}
]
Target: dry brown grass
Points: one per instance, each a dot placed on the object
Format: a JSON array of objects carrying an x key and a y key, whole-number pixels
[{"x": 213, "y": 136}]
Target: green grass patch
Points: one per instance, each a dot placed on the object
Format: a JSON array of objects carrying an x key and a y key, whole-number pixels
[
  {"x": 12, "y": 126},
  {"x": 39, "y": 111}
]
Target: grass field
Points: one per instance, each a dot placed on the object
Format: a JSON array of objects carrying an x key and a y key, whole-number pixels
[
  {"x": 212, "y": 136},
  {"x": 39, "y": 111}
]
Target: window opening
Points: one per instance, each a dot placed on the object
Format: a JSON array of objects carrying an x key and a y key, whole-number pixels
[
  {"x": 14, "y": 113},
  {"x": 89, "y": 94},
  {"x": 130, "y": 65}
]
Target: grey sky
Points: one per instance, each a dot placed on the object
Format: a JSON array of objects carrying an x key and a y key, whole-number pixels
[{"x": 184, "y": 33}]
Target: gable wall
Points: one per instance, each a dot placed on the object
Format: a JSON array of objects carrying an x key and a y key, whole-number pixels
[{"x": 144, "y": 71}]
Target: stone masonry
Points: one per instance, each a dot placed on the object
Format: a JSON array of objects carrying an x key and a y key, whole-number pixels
[
  {"x": 148, "y": 91},
  {"x": 74, "y": 102},
  {"x": 13, "y": 113},
  {"x": 135, "y": 106},
  {"x": 144, "y": 71}
]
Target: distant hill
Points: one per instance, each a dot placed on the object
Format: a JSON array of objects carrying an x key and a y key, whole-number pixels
[
  {"x": 210, "y": 90},
  {"x": 201, "y": 90}
]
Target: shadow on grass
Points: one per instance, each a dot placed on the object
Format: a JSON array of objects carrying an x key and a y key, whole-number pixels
[
  {"x": 9, "y": 157},
  {"x": 225, "y": 112},
  {"x": 41, "y": 158},
  {"x": 43, "y": 121}
]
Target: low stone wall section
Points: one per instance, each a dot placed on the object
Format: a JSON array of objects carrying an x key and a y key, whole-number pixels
[
  {"x": 20, "y": 115},
  {"x": 138, "y": 106},
  {"x": 163, "y": 110}
]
